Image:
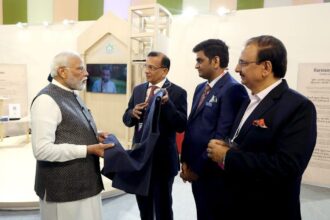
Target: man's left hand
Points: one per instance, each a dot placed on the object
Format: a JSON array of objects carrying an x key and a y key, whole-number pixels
[
  {"x": 102, "y": 136},
  {"x": 165, "y": 97}
]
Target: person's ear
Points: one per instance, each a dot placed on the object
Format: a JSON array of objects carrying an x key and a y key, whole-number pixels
[
  {"x": 164, "y": 72},
  {"x": 62, "y": 72},
  {"x": 268, "y": 68},
  {"x": 216, "y": 61}
]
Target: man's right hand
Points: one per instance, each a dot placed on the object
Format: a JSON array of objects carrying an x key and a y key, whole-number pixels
[
  {"x": 98, "y": 149},
  {"x": 187, "y": 174},
  {"x": 183, "y": 173},
  {"x": 138, "y": 110}
]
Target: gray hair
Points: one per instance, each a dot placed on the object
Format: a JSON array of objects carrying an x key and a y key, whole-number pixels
[{"x": 61, "y": 60}]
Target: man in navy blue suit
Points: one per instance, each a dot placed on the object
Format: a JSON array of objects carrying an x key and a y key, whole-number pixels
[
  {"x": 172, "y": 119},
  {"x": 272, "y": 140},
  {"x": 214, "y": 108}
]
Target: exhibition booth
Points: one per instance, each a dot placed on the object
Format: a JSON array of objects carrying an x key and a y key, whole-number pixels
[
  {"x": 110, "y": 42},
  {"x": 122, "y": 45}
]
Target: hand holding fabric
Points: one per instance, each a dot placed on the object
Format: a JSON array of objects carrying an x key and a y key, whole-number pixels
[
  {"x": 98, "y": 149},
  {"x": 102, "y": 136},
  {"x": 165, "y": 97},
  {"x": 137, "y": 111}
]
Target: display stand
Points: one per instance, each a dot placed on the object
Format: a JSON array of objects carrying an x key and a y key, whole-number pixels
[
  {"x": 2, "y": 99},
  {"x": 13, "y": 87},
  {"x": 23, "y": 121}
]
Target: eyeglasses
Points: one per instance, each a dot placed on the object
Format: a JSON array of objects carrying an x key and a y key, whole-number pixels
[
  {"x": 152, "y": 67},
  {"x": 246, "y": 63}
]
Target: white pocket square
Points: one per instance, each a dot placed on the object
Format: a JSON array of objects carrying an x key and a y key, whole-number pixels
[{"x": 213, "y": 99}]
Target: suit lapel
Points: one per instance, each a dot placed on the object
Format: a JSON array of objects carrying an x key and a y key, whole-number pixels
[
  {"x": 141, "y": 96},
  {"x": 214, "y": 91},
  {"x": 196, "y": 100},
  {"x": 257, "y": 113},
  {"x": 239, "y": 116},
  {"x": 167, "y": 84},
  {"x": 263, "y": 107}
]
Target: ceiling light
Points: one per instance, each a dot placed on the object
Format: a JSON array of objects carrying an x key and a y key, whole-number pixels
[
  {"x": 21, "y": 25},
  {"x": 189, "y": 12},
  {"x": 222, "y": 11},
  {"x": 46, "y": 23},
  {"x": 68, "y": 22},
  {"x": 139, "y": 12}
]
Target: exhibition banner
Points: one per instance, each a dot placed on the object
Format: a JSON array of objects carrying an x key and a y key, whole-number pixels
[{"x": 314, "y": 82}]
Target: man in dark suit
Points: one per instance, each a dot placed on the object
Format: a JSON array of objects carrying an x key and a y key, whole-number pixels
[
  {"x": 215, "y": 105},
  {"x": 173, "y": 118},
  {"x": 271, "y": 142}
]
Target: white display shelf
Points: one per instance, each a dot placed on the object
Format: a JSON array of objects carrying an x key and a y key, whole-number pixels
[
  {"x": 148, "y": 30},
  {"x": 21, "y": 122}
]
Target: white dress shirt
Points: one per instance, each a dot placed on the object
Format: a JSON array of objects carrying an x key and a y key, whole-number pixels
[
  {"x": 254, "y": 102},
  {"x": 213, "y": 82},
  {"x": 45, "y": 117}
]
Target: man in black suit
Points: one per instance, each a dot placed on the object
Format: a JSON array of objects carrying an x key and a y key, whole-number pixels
[
  {"x": 272, "y": 140},
  {"x": 173, "y": 118}
]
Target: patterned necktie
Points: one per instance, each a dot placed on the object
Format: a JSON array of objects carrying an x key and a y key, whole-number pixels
[
  {"x": 146, "y": 112},
  {"x": 203, "y": 96},
  {"x": 152, "y": 92}
]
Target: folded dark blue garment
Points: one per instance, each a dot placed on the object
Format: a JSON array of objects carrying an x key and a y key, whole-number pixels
[{"x": 130, "y": 170}]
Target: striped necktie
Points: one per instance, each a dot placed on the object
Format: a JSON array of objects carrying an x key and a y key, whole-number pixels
[
  {"x": 152, "y": 92},
  {"x": 203, "y": 96}
]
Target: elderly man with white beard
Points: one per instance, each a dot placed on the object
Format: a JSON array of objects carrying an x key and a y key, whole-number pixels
[{"x": 66, "y": 145}]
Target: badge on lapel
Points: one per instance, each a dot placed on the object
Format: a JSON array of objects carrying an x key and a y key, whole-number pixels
[{"x": 259, "y": 123}]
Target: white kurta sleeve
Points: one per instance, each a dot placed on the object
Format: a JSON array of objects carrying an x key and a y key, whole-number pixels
[{"x": 45, "y": 117}]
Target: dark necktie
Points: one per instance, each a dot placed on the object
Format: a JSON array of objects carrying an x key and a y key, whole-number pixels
[
  {"x": 152, "y": 92},
  {"x": 146, "y": 112},
  {"x": 203, "y": 96}
]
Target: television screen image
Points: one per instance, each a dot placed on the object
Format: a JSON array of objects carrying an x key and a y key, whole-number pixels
[{"x": 107, "y": 78}]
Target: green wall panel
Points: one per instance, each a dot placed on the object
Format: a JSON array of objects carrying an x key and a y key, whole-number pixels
[
  {"x": 174, "y": 6},
  {"x": 249, "y": 4},
  {"x": 326, "y": 0},
  {"x": 14, "y": 11},
  {"x": 90, "y": 9}
]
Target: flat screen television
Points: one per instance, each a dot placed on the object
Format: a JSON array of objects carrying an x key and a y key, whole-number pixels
[{"x": 107, "y": 78}]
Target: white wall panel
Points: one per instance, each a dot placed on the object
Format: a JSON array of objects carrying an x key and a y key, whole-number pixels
[{"x": 39, "y": 11}]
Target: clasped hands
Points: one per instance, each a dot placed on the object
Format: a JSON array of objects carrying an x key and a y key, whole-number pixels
[{"x": 216, "y": 151}]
